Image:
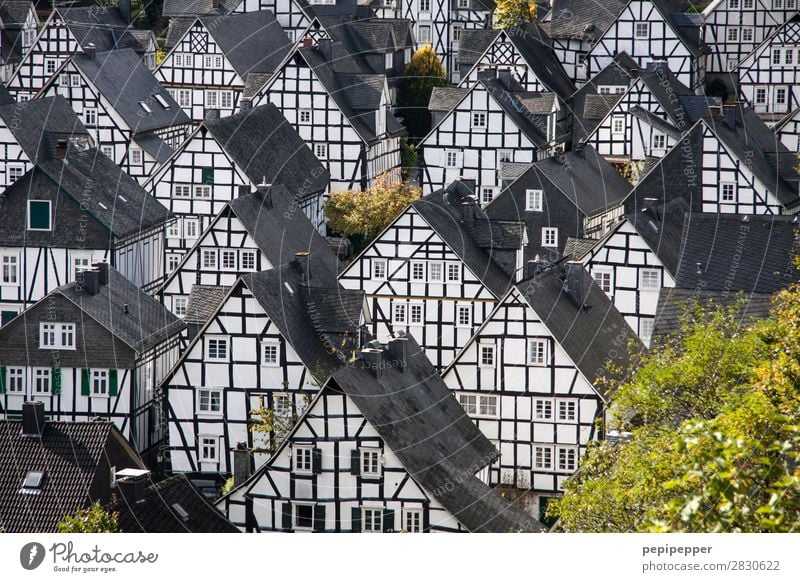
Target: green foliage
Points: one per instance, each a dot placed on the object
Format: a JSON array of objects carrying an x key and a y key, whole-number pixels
[
  {"x": 270, "y": 427},
  {"x": 93, "y": 519},
  {"x": 227, "y": 487},
  {"x": 512, "y": 12},
  {"x": 368, "y": 212},
  {"x": 408, "y": 158},
  {"x": 422, "y": 74}
]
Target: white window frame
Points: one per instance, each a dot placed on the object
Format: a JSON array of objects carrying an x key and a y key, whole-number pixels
[
  {"x": 485, "y": 402},
  {"x": 641, "y": 30},
  {"x": 486, "y": 355},
  {"x": 533, "y": 199},
  {"x": 99, "y": 382},
  {"x": 487, "y": 194},
  {"x": 729, "y": 186},
  {"x": 424, "y": 33},
  {"x": 209, "y": 408},
  {"x": 272, "y": 345},
  {"x": 550, "y": 237},
  {"x": 505, "y": 155},
  {"x": 615, "y": 120},
  {"x": 184, "y": 97},
  {"x": 179, "y": 305},
  {"x": 453, "y": 272},
  {"x": 296, "y": 515},
  {"x": 411, "y": 271},
  {"x": 432, "y": 267},
  {"x": 370, "y": 458},
  {"x": 15, "y": 172},
  {"x": 173, "y": 260},
  {"x": 658, "y": 141},
  {"x": 15, "y": 380},
  {"x": 451, "y": 159},
  {"x": 195, "y": 228},
  {"x": 412, "y": 520},
  {"x": 462, "y": 309},
  {"x": 604, "y": 272},
  {"x": 376, "y": 266},
  {"x": 107, "y": 151},
  {"x": 136, "y": 155},
  {"x": 181, "y": 191},
  {"x": 546, "y": 406},
  {"x": 733, "y": 34},
  {"x": 202, "y": 191},
  {"x": 479, "y": 120},
  {"x": 566, "y": 406},
  {"x": 216, "y": 358},
  {"x": 747, "y": 34},
  {"x": 9, "y": 265},
  {"x": 543, "y": 457},
  {"x": 209, "y": 259},
  {"x": 376, "y": 523},
  {"x": 303, "y": 459},
  {"x": 646, "y": 326},
  {"x": 644, "y": 274},
  {"x": 469, "y": 402},
  {"x": 568, "y": 453},
  {"x": 542, "y": 360},
  {"x": 45, "y": 375},
  {"x": 248, "y": 260},
  {"x": 412, "y": 316},
  {"x": 228, "y": 254},
  {"x": 207, "y": 442},
  {"x": 58, "y": 330},
  {"x": 90, "y": 117}
]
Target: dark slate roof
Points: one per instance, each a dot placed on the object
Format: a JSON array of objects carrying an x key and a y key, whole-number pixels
[
  {"x": 123, "y": 79},
  {"x": 147, "y": 323},
  {"x": 446, "y": 98},
  {"x": 253, "y": 42},
  {"x": 157, "y": 511},
  {"x": 178, "y": 8},
  {"x": 444, "y": 212},
  {"x": 203, "y": 302},
  {"x": 38, "y": 124},
  {"x": 755, "y": 256},
  {"x": 585, "y": 324},
  {"x": 105, "y": 28},
  {"x": 661, "y": 227},
  {"x": 13, "y": 14},
  {"x": 533, "y": 125},
  {"x": 655, "y": 121},
  {"x": 155, "y": 146},
  {"x": 665, "y": 86},
  {"x": 580, "y": 19},
  {"x": 267, "y": 148},
  {"x": 69, "y": 453},
  {"x": 437, "y": 443},
  {"x": 117, "y": 200},
  {"x": 687, "y": 26},
  {"x": 176, "y": 29},
  {"x": 597, "y": 106},
  {"x": 577, "y": 248},
  {"x": 674, "y": 303}
]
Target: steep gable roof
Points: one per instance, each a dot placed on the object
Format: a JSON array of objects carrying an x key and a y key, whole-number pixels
[
  {"x": 579, "y": 19},
  {"x": 179, "y": 8},
  {"x": 661, "y": 227},
  {"x": 106, "y": 28}
]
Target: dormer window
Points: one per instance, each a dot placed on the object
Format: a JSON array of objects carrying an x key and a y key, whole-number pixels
[{"x": 32, "y": 484}]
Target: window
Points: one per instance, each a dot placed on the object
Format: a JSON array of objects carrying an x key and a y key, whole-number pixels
[
  {"x": 435, "y": 272},
  {"x": 463, "y": 4},
  {"x": 417, "y": 271},
  {"x": 641, "y": 30},
  {"x": 487, "y": 195},
  {"x": 108, "y": 151},
  {"x": 399, "y": 314},
  {"x": 50, "y": 66},
  {"x": 451, "y": 159},
  {"x": 566, "y": 410},
  {"x": 41, "y": 380},
  {"x": 208, "y": 448},
  {"x": 733, "y": 35},
  {"x": 136, "y": 156},
  {"x": 388, "y": 60},
  {"x": 537, "y": 352},
  {"x": 56, "y": 336},
  {"x": 181, "y": 191},
  {"x": 39, "y": 215},
  {"x": 303, "y": 459},
  {"x": 543, "y": 458},
  {"x": 424, "y": 5},
  {"x": 543, "y": 409},
  {"x": 457, "y": 30},
  {"x": 248, "y": 259},
  {"x": 179, "y": 306},
  {"x": 174, "y": 230},
  {"x": 788, "y": 56},
  {"x": 321, "y": 151},
  {"x": 566, "y": 459},
  {"x": 761, "y": 95},
  {"x": 778, "y": 4},
  {"x": 271, "y": 353},
  {"x": 178, "y": 60},
  {"x": 469, "y": 402},
  {"x": 173, "y": 260},
  {"x": 533, "y": 200},
  {"x": 658, "y": 141},
  {"x": 747, "y": 3},
  {"x": 463, "y": 316},
  {"x": 776, "y": 56},
  {"x": 747, "y": 35},
  {"x": 424, "y": 34},
  {"x": 184, "y": 97},
  {"x": 15, "y": 380},
  {"x": 229, "y": 260},
  {"x": 549, "y": 236},
  {"x": 217, "y": 349},
  {"x": 603, "y": 280},
  {"x": 190, "y": 228},
  {"x": 734, "y": 4},
  {"x": 370, "y": 462},
  {"x": 646, "y": 329},
  {"x": 379, "y": 267},
  {"x": 617, "y": 125},
  {"x": 728, "y": 191},
  {"x": 32, "y": 484},
  {"x": 90, "y": 117},
  {"x": 478, "y": 120},
  {"x": 415, "y": 313},
  {"x": 611, "y": 89},
  {"x": 202, "y": 191},
  {"x": 413, "y": 523},
  {"x": 15, "y": 173},
  {"x": 505, "y": 155},
  {"x": 371, "y": 520},
  {"x": 209, "y": 259},
  {"x": 99, "y": 382},
  {"x": 303, "y": 516},
  {"x": 650, "y": 279},
  {"x": 305, "y": 116},
  {"x": 780, "y": 96},
  {"x": 212, "y": 99},
  {"x": 282, "y": 405},
  {"x": 10, "y": 269},
  {"x": 453, "y": 272},
  {"x": 226, "y": 99},
  {"x": 488, "y": 405},
  {"x": 487, "y": 356}
]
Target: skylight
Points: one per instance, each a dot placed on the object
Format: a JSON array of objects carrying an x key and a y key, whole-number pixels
[
  {"x": 288, "y": 287},
  {"x": 162, "y": 101},
  {"x": 103, "y": 206},
  {"x": 121, "y": 197},
  {"x": 32, "y": 484},
  {"x": 180, "y": 511},
  {"x": 146, "y": 107}
]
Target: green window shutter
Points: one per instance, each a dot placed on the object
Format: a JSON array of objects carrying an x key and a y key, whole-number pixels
[
  {"x": 208, "y": 175},
  {"x": 355, "y": 519},
  {"x": 2, "y": 379},
  {"x": 39, "y": 214},
  {"x": 319, "y": 517},
  {"x": 85, "y": 388},
  {"x": 355, "y": 462},
  {"x": 56, "y": 381},
  {"x": 7, "y": 316},
  {"x": 286, "y": 516},
  {"x": 113, "y": 383},
  {"x": 316, "y": 460},
  {"x": 388, "y": 520}
]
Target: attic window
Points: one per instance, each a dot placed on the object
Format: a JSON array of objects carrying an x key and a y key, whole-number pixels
[
  {"x": 180, "y": 512},
  {"x": 162, "y": 101},
  {"x": 145, "y": 107},
  {"x": 32, "y": 484}
]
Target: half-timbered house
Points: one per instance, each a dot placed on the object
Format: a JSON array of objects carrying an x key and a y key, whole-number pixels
[
  {"x": 527, "y": 377},
  {"x": 788, "y": 130},
  {"x": 271, "y": 342},
  {"x": 19, "y": 26},
  {"x": 96, "y": 347},
  {"x": 342, "y": 111},
  {"x": 438, "y": 270},
  {"x": 63, "y": 215},
  {"x": 133, "y": 120},
  {"x": 382, "y": 448},
  {"x": 214, "y": 57},
  {"x": 226, "y": 156},
  {"x": 294, "y": 16}
]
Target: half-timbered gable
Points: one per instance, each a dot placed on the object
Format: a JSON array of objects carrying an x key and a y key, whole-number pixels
[
  {"x": 437, "y": 271},
  {"x": 226, "y": 156},
  {"x": 208, "y": 67},
  {"x": 527, "y": 377},
  {"x": 554, "y": 197},
  {"x": 341, "y": 111},
  {"x": 20, "y": 25},
  {"x": 97, "y": 347},
  {"x": 382, "y": 448},
  {"x": 294, "y": 16},
  {"x": 284, "y": 331},
  {"x": 132, "y": 119},
  {"x": 494, "y": 122},
  {"x": 647, "y": 31},
  {"x": 788, "y": 131},
  {"x": 66, "y": 31},
  {"x": 768, "y": 77},
  {"x": 253, "y": 232}
]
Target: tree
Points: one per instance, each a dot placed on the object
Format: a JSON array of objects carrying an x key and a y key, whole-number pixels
[
  {"x": 512, "y": 12},
  {"x": 368, "y": 212},
  {"x": 714, "y": 423},
  {"x": 423, "y": 72},
  {"x": 93, "y": 519}
]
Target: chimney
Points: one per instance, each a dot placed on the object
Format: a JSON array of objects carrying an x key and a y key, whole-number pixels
[
  {"x": 634, "y": 73},
  {"x": 264, "y": 190},
  {"x": 245, "y": 104},
  {"x": 468, "y": 210},
  {"x": 308, "y": 42},
  {"x": 89, "y": 281},
  {"x": 372, "y": 360},
  {"x": 397, "y": 350},
  {"x": 32, "y": 418},
  {"x": 242, "y": 464},
  {"x": 573, "y": 282},
  {"x": 61, "y": 149},
  {"x": 302, "y": 262},
  {"x": 131, "y": 484},
  {"x": 324, "y": 46},
  {"x": 125, "y": 10},
  {"x": 504, "y": 76},
  {"x": 532, "y": 268},
  {"x": 90, "y": 50},
  {"x": 102, "y": 268},
  {"x": 212, "y": 114}
]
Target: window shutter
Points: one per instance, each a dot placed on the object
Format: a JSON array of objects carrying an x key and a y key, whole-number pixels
[
  {"x": 355, "y": 462},
  {"x": 286, "y": 516},
  {"x": 85, "y": 390},
  {"x": 388, "y": 520},
  {"x": 2, "y": 379},
  {"x": 208, "y": 176},
  {"x": 56, "y": 381},
  {"x": 355, "y": 519},
  {"x": 319, "y": 517},
  {"x": 316, "y": 460},
  {"x": 113, "y": 384}
]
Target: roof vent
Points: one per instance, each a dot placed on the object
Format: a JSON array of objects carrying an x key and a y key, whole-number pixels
[
  {"x": 265, "y": 191},
  {"x": 32, "y": 418},
  {"x": 90, "y": 50},
  {"x": 180, "y": 512}
]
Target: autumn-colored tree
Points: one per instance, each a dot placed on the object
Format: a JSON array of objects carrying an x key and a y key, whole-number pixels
[
  {"x": 368, "y": 212},
  {"x": 423, "y": 72},
  {"x": 93, "y": 519},
  {"x": 512, "y": 12}
]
